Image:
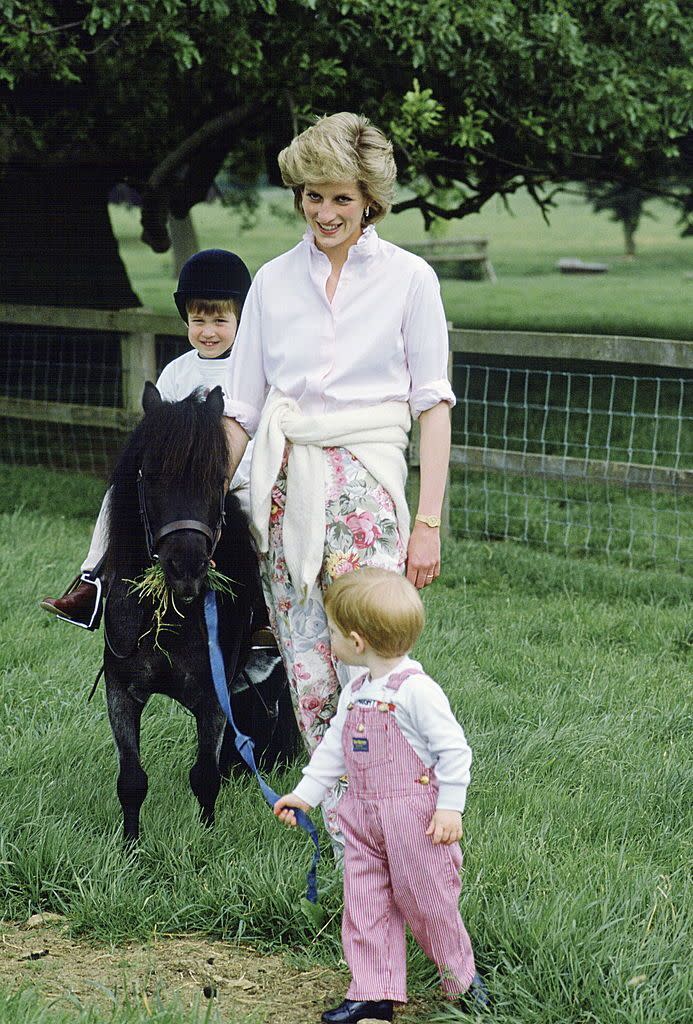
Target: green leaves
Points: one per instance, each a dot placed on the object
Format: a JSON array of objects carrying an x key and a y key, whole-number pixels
[
  {"x": 503, "y": 89},
  {"x": 314, "y": 912},
  {"x": 471, "y": 130}
]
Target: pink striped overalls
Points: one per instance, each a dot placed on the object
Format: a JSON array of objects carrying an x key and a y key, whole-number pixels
[{"x": 393, "y": 874}]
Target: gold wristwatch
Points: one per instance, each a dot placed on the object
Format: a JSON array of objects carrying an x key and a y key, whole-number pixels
[{"x": 432, "y": 521}]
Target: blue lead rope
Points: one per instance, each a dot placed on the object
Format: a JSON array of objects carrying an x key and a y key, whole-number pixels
[{"x": 244, "y": 744}]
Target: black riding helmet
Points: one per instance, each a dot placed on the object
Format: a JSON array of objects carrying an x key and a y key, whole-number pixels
[{"x": 212, "y": 274}]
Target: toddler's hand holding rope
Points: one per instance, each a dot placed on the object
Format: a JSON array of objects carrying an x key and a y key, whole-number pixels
[{"x": 283, "y": 806}]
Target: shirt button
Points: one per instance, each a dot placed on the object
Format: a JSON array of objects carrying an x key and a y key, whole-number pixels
[
  {"x": 383, "y": 707},
  {"x": 424, "y": 780},
  {"x": 349, "y": 707},
  {"x": 360, "y": 727}
]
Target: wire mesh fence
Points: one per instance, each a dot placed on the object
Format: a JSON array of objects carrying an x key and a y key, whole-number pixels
[
  {"x": 80, "y": 371},
  {"x": 587, "y": 455},
  {"x": 575, "y": 460}
]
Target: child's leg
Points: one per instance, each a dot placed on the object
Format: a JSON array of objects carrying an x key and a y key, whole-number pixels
[
  {"x": 426, "y": 888},
  {"x": 373, "y": 928},
  {"x": 243, "y": 494},
  {"x": 99, "y": 537}
]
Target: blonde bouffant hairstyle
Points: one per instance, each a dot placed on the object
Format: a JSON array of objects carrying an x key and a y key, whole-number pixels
[
  {"x": 342, "y": 147},
  {"x": 381, "y": 606}
]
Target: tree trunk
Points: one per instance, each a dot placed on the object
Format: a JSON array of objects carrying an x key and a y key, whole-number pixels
[
  {"x": 183, "y": 240},
  {"x": 629, "y": 229},
  {"x": 57, "y": 246}
]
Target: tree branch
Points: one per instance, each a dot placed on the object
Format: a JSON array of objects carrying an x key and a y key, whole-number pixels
[
  {"x": 471, "y": 204},
  {"x": 109, "y": 39},
  {"x": 55, "y": 28},
  {"x": 155, "y": 195}
]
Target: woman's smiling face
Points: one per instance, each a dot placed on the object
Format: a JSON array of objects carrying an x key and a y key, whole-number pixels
[{"x": 334, "y": 211}]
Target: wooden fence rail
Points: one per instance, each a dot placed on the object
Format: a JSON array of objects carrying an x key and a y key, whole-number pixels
[{"x": 138, "y": 330}]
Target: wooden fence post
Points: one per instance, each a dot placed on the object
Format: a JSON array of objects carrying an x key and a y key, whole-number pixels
[{"x": 138, "y": 360}]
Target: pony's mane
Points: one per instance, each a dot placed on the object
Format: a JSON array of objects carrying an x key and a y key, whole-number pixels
[{"x": 187, "y": 443}]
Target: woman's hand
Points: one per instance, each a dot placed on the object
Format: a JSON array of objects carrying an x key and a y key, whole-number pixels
[
  {"x": 423, "y": 555},
  {"x": 283, "y": 806},
  {"x": 445, "y": 827}
]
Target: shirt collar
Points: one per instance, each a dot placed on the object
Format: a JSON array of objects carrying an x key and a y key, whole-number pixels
[{"x": 366, "y": 246}]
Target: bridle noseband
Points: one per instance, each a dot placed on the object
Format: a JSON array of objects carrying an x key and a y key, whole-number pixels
[{"x": 153, "y": 539}]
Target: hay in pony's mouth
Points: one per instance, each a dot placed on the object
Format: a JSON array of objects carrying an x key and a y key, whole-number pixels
[{"x": 151, "y": 585}]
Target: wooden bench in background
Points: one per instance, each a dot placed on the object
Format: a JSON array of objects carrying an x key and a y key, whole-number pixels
[{"x": 451, "y": 258}]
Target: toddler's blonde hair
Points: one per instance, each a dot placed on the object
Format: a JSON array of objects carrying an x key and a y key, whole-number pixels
[{"x": 381, "y": 606}]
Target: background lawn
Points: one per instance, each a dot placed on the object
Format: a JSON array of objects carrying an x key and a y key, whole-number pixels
[
  {"x": 572, "y": 680},
  {"x": 648, "y": 297},
  {"x": 571, "y": 677}
]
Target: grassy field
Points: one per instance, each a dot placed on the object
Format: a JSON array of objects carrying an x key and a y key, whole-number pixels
[
  {"x": 647, "y": 297},
  {"x": 570, "y": 675},
  {"x": 572, "y": 680}
]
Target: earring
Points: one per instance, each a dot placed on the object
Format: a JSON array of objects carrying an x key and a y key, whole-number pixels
[{"x": 367, "y": 212}]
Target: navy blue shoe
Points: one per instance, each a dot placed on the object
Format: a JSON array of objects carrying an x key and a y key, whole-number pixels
[
  {"x": 353, "y": 1010},
  {"x": 476, "y": 999}
]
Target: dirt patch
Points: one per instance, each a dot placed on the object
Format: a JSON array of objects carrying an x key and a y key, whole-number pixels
[{"x": 242, "y": 983}]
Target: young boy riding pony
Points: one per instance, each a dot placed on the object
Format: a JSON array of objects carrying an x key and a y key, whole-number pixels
[{"x": 212, "y": 288}]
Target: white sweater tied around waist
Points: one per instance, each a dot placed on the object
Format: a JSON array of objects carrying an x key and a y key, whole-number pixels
[{"x": 377, "y": 436}]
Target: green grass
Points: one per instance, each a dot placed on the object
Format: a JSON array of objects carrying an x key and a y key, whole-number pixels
[
  {"x": 588, "y": 518},
  {"x": 571, "y": 679},
  {"x": 648, "y": 297},
  {"x": 26, "y": 1007}
]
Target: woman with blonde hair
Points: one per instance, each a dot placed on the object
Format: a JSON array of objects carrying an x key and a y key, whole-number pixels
[{"x": 343, "y": 340}]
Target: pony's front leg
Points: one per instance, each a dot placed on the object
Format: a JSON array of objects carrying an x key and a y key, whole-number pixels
[
  {"x": 205, "y": 778},
  {"x": 125, "y": 713}
]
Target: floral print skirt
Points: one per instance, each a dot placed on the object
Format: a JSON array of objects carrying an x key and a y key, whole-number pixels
[{"x": 360, "y": 529}]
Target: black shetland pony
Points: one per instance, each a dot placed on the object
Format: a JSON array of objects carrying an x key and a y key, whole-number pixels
[{"x": 168, "y": 503}]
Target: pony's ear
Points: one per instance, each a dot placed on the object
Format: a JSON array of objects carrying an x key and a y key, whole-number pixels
[
  {"x": 215, "y": 401},
  {"x": 151, "y": 399}
]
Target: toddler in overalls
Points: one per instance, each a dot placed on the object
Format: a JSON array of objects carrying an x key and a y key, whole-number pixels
[{"x": 407, "y": 761}]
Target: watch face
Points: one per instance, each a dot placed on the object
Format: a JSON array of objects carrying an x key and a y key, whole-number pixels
[{"x": 429, "y": 520}]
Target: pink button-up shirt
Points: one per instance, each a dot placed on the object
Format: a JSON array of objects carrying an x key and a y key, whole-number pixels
[{"x": 382, "y": 338}]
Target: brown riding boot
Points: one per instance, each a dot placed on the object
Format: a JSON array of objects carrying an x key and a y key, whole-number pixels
[{"x": 79, "y": 604}]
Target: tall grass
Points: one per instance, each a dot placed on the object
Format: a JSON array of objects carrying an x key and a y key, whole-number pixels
[
  {"x": 572, "y": 681},
  {"x": 26, "y": 1007}
]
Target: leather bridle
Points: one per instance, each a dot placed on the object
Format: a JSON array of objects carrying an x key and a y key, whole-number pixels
[{"x": 154, "y": 539}]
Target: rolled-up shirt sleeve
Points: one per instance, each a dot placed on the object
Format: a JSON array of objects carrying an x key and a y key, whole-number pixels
[
  {"x": 247, "y": 382},
  {"x": 426, "y": 343}
]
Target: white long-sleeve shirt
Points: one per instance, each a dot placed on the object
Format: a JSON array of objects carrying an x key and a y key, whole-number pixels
[
  {"x": 383, "y": 338},
  {"x": 182, "y": 376},
  {"x": 423, "y": 715}
]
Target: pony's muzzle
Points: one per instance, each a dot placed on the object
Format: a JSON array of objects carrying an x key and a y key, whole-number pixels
[{"x": 185, "y": 561}]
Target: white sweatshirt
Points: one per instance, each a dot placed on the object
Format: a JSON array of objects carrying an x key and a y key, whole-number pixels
[
  {"x": 182, "y": 376},
  {"x": 422, "y": 713}
]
